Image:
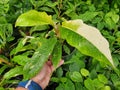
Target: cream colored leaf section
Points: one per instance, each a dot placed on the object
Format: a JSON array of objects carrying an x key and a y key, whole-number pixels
[{"x": 92, "y": 34}]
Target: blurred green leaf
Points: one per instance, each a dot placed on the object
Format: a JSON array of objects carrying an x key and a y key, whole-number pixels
[
  {"x": 98, "y": 84},
  {"x": 19, "y": 46},
  {"x": 88, "y": 15},
  {"x": 18, "y": 70},
  {"x": 76, "y": 76},
  {"x": 3, "y": 68},
  {"x": 115, "y": 18},
  {"x": 89, "y": 84},
  {"x": 1, "y": 88},
  {"x": 106, "y": 88},
  {"x": 54, "y": 79},
  {"x": 21, "y": 59},
  {"x": 66, "y": 49},
  {"x": 63, "y": 79},
  {"x": 59, "y": 72},
  {"x": 6, "y": 31},
  {"x": 102, "y": 78},
  {"x": 60, "y": 87},
  {"x": 84, "y": 72}
]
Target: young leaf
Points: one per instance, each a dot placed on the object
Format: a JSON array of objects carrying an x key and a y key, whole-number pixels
[
  {"x": 86, "y": 39},
  {"x": 84, "y": 72},
  {"x": 33, "y": 18},
  {"x": 40, "y": 56},
  {"x": 13, "y": 72}
]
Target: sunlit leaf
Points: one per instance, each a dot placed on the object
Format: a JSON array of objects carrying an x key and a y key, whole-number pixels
[
  {"x": 84, "y": 72},
  {"x": 33, "y": 18},
  {"x": 86, "y": 39}
]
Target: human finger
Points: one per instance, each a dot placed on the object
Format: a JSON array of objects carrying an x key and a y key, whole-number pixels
[{"x": 60, "y": 63}]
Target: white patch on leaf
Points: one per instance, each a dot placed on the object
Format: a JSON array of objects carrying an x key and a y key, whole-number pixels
[{"x": 93, "y": 35}]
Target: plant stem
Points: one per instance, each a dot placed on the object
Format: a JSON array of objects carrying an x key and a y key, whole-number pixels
[{"x": 5, "y": 61}]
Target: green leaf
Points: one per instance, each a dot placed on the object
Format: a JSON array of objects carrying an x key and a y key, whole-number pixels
[
  {"x": 3, "y": 68},
  {"x": 33, "y": 18},
  {"x": 1, "y": 88},
  {"x": 79, "y": 86},
  {"x": 66, "y": 49},
  {"x": 6, "y": 31},
  {"x": 40, "y": 56},
  {"x": 60, "y": 87},
  {"x": 76, "y": 77},
  {"x": 98, "y": 84},
  {"x": 39, "y": 28},
  {"x": 84, "y": 72},
  {"x": 59, "y": 72},
  {"x": 21, "y": 59},
  {"x": 76, "y": 66},
  {"x": 69, "y": 85},
  {"x": 19, "y": 46},
  {"x": 57, "y": 54},
  {"x": 106, "y": 88},
  {"x": 3, "y": 20},
  {"x": 89, "y": 84},
  {"x": 115, "y": 18},
  {"x": 102, "y": 79},
  {"x": 110, "y": 23},
  {"x": 115, "y": 78},
  {"x": 63, "y": 79},
  {"x": 87, "y": 39},
  {"x": 88, "y": 15},
  {"x": 54, "y": 79},
  {"x": 18, "y": 70},
  {"x": 66, "y": 86}
]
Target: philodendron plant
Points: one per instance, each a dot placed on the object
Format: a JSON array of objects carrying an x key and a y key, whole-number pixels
[{"x": 38, "y": 48}]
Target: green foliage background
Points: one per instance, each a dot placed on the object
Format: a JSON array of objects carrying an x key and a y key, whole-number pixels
[{"x": 79, "y": 72}]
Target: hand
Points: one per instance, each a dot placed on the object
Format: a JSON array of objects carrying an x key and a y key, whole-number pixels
[{"x": 43, "y": 77}]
